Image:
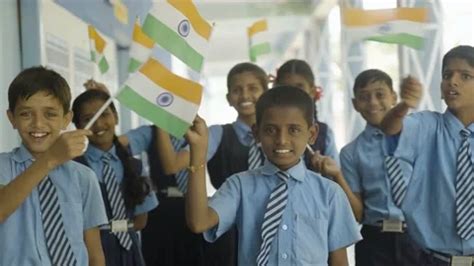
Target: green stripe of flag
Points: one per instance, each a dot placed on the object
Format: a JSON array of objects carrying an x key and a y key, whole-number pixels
[
  {"x": 412, "y": 41},
  {"x": 259, "y": 49},
  {"x": 103, "y": 65},
  {"x": 133, "y": 65},
  {"x": 173, "y": 42},
  {"x": 165, "y": 120}
]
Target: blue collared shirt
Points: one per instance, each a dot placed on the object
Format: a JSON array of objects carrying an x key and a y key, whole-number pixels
[
  {"x": 22, "y": 239},
  {"x": 428, "y": 144},
  {"x": 140, "y": 139},
  {"x": 362, "y": 163},
  {"x": 331, "y": 149},
  {"x": 317, "y": 219},
  {"x": 93, "y": 156}
]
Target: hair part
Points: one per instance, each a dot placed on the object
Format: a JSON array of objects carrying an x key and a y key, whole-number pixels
[
  {"x": 465, "y": 52},
  {"x": 285, "y": 96},
  {"x": 39, "y": 79},
  {"x": 240, "y": 68},
  {"x": 369, "y": 76},
  {"x": 295, "y": 66},
  {"x": 88, "y": 96}
]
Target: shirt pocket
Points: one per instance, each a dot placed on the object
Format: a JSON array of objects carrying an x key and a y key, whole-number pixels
[
  {"x": 311, "y": 240},
  {"x": 73, "y": 221}
]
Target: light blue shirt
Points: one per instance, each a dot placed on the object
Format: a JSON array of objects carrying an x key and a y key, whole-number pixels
[
  {"x": 216, "y": 132},
  {"x": 22, "y": 239},
  {"x": 317, "y": 219},
  {"x": 330, "y": 143},
  {"x": 362, "y": 163},
  {"x": 93, "y": 156},
  {"x": 139, "y": 139},
  {"x": 428, "y": 145}
]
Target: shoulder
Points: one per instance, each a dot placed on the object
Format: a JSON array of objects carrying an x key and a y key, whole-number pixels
[{"x": 79, "y": 171}]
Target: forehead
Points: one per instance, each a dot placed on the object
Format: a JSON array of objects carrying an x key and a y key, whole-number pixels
[
  {"x": 92, "y": 106},
  {"x": 41, "y": 99},
  {"x": 243, "y": 78},
  {"x": 458, "y": 64},
  {"x": 292, "y": 79},
  {"x": 373, "y": 86},
  {"x": 283, "y": 115}
]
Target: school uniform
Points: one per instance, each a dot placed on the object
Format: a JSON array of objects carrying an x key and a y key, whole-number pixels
[
  {"x": 115, "y": 254},
  {"x": 166, "y": 240},
  {"x": 362, "y": 163},
  {"x": 316, "y": 220},
  {"x": 22, "y": 238},
  {"x": 428, "y": 148}
]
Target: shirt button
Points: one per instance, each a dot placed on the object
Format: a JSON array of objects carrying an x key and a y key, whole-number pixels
[
  {"x": 284, "y": 227},
  {"x": 284, "y": 256}
]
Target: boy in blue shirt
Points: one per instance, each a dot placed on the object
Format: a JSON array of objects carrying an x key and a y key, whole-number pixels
[
  {"x": 435, "y": 151},
  {"x": 50, "y": 206},
  {"x": 285, "y": 214},
  {"x": 363, "y": 166}
]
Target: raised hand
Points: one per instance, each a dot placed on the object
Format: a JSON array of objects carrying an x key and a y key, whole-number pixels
[
  {"x": 325, "y": 165},
  {"x": 411, "y": 91},
  {"x": 68, "y": 146},
  {"x": 197, "y": 134}
]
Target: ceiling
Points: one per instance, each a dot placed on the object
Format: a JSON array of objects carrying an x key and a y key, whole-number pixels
[{"x": 229, "y": 42}]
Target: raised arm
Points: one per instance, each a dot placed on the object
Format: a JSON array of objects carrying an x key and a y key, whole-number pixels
[
  {"x": 328, "y": 167},
  {"x": 410, "y": 94},
  {"x": 199, "y": 216},
  {"x": 68, "y": 146}
]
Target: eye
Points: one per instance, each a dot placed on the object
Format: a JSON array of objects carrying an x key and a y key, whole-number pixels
[
  {"x": 25, "y": 114},
  {"x": 51, "y": 114},
  {"x": 465, "y": 76},
  {"x": 380, "y": 95},
  {"x": 446, "y": 75},
  {"x": 269, "y": 130},
  {"x": 294, "y": 130}
]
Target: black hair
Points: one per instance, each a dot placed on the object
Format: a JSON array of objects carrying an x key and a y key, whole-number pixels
[
  {"x": 35, "y": 79},
  {"x": 285, "y": 96},
  {"x": 295, "y": 66},
  {"x": 465, "y": 52},
  {"x": 135, "y": 187},
  {"x": 369, "y": 76},
  {"x": 248, "y": 67}
]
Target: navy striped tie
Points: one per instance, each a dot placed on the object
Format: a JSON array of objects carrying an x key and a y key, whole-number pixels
[
  {"x": 117, "y": 204},
  {"x": 464, "y": 188},
  {"x": 255, "y": 154},
  {"x": 271, "y": 221},
  {"x": 395, "y": 176},
  {"x": 59, "y": 247},
  {"x": 181, "y": 176}
]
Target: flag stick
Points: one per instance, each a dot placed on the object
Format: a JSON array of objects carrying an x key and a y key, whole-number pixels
[
  {"x": 308, "y": 147},
  {"x": 99, "y": 112}
]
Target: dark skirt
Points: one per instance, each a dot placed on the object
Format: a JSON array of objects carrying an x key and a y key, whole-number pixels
[{"x": 116, "y": 255}]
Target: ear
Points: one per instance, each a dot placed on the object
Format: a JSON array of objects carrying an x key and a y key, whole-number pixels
[
  {"x": 227, "y": 96},
  {"x": 66, "y": 120},
  {"x": 354, "y": 104},
  {"x": 11, "y": 118},
  {"x": 313, "y": 133}
]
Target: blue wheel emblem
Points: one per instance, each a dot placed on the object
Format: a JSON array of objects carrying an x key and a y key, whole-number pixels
[
  {"x": 184, "y": 28},
  {"x": 165, "y": 99}
]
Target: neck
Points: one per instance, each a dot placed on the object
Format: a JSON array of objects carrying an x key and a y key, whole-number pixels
[
  {"x": 103, "y": 147},
  {"x": 465, "y": 116},
  {"x": 248, "y": 120}
]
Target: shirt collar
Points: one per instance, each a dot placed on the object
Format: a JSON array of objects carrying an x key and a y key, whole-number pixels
[
  {"x": 22, "y": 154},
  {"x": 242, "y": 130},
  {"x": 371, "y": 131},
  {"x": 95, "y": 154},
  {"x": 455, "y": 126},
  {"x": 297, "y": 172}
]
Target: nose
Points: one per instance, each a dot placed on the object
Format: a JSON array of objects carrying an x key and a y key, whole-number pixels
[
  {"x": 38, "y": 120},
  {"x": 453, "y": 81},
  {"x": 282, "y": 137},
  {"x": 245, "y": 93},
  {"x": 372, "y": 99}
]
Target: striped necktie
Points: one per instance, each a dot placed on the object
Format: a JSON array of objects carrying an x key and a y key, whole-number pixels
[
  {"x": 181, "y": 176},
  {"x": 271, "y": 221},
  {"x": 395, "y": 176},
  {"x": 117, "y": 204},
  {"x": 464, "y": 188},
  {"x": 255, "y": 154},
  {"x": 59, "y": 247}
]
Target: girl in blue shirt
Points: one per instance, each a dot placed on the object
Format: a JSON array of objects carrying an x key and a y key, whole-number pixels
[{"x": 135, "y": 189}]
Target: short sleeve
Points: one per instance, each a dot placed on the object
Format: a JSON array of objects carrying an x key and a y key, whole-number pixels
[
  {"x": 331, "y": 149},
  {"x": 139, "y": 139},
  {"x": 148, "y": 204},
  {"x": 349, "y": 169},
  {"x": 92, "y": 202},
  {"x": 343, "y": 228},
  {"x": 225, "y": 203}
]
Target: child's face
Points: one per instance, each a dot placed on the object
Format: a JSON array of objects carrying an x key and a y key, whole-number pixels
[
  {"x": 374, "y": 101},
  {"x": 298, "y": 81},
  {"x": 283, "y": 134},
  {"x": 457, "y": 86},
  {"x": 103, "y": 129},
  {"x": 39, "y": 121},
  {"x": 244, "y": 91}
]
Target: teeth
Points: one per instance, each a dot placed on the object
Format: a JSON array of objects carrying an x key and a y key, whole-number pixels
[
  {"x": 282, "y": 151},
  {"x": 452, "y": 93},
  {"x": 100, "y": 133},
  {"x": 246, "y": 104},
  {"x": 38, "y": 135}
]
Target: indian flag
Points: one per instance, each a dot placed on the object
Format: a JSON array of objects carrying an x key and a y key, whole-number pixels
[
  {"x": 258, "y": 41},
  {"x": 177, "y": 26},
  {"x": 169, "y": 101},
  {"x": 140, "y": 49},
  {"x": 97, "y": 44},
  {"x": 403, "y": 26}
]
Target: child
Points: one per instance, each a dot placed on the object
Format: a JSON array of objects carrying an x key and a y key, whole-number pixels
[
  {"x": 428, "y": 154},
  {"x": 128, "y": 193},
  {"x": 298, "y": 73},
  {"x": 305, "y": 219},
  {"x": 50, "y": 207},
  {"x": 362, "y": 163}
]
